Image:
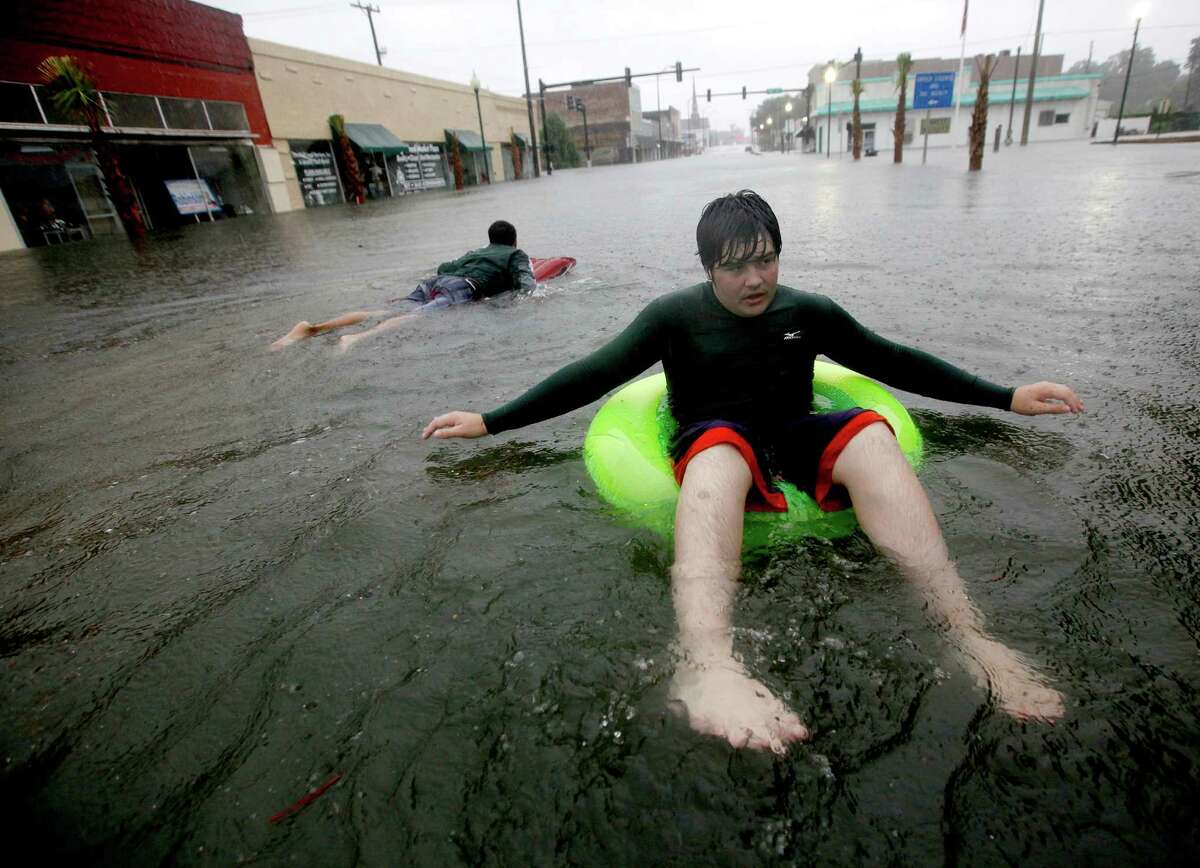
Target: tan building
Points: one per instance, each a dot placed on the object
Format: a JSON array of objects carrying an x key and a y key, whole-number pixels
[{"x": 403, "y": 125}]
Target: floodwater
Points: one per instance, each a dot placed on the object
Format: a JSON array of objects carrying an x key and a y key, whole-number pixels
[{"x": 228, "y": 575}]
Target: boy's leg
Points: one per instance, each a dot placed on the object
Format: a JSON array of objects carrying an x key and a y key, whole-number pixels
[
  {"x": 721, "y": 699},
  {"x": 391, "y": 324},
  {"x": 895, "y": 513},
  {"x": 304, "y": 329}
]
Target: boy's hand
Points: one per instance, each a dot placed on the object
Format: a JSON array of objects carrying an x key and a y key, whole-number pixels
[
  {"x": 1038, "y": 398},
  {"x": 455, "y": 424}
]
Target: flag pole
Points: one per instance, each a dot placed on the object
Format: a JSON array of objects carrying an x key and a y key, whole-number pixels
[{"x": 962, "y": 57}]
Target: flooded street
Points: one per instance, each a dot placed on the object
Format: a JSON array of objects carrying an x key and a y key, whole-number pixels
[{"x": 228, "y": 575}]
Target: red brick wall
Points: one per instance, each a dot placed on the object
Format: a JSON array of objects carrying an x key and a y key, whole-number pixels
[{"x": 158, "y": 47}]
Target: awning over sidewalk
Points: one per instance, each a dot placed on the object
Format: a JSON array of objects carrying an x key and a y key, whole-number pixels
[
  {"x": 467, "y": 140},
  {"x": 521, "y": 137},
  {"x": 376, "y": 138}
]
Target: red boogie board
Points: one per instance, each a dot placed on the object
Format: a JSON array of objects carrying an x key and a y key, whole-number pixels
[{"x": 548, "y": 269}]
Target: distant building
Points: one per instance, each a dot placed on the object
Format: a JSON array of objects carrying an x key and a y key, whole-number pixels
[
  {"x": 1065, "y": 106},
  {"x": 668, "y": 130},
  {"x": 617, "y": 128}
]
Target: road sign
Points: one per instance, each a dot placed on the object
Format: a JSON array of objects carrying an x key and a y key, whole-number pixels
[
  {"x": 774, "y": 90},
  {"x": 933, "y": 90}
]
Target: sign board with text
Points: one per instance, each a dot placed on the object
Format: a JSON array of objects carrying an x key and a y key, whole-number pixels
[{"x": 933, "y": 90}]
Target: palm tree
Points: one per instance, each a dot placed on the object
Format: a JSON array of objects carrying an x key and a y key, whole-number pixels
[
  {"x": 354, "y": 179},
  {"x": 904, "y": 64},
  {"x": 856, "y": 88},
  {"x": 75, "y": 95},
  {"x": 978, "y": 131}
]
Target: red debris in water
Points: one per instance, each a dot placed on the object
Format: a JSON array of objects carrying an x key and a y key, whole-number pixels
[{"x": 306, "y": 800}]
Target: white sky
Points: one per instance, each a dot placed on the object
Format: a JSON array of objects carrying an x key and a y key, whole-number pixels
[{"x": 757, "y": 43}]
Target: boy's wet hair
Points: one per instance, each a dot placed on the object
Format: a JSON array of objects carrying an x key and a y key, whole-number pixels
[
  {"x": 730, "y": 228},
  {"x": 503, "y": 232}
]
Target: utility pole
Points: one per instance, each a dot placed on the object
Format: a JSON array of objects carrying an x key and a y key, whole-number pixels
[
  {"x": 658, "y": 113},
  {"x": 1012, "y": 100},
  {"x": 587, "y": 141},
  {"x": 545, "y": 134},
  {"x": 537, "y": 172},
  {"x": 1128, "y": 73},
  {"x": 1091, "y": 47},
  {"x": 1037, "y": 50},
  {"x": 856, "y": 145},
  {"x": 369, "y": 9}
]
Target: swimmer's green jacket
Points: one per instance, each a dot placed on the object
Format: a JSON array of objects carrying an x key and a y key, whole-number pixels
[
  {"x": 756, "y": 371},
  {"x": 493, "y": 269}
]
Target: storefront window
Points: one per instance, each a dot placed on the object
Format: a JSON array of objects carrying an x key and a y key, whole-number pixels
[
  {"x": 41, "y": 195},
  {"x": 232, "y": 174},
  {"x": 227, "y": 115},
  {"x": 422, "y": 168},
  {"x": 183, "y": 114},
  {"x": 53, "y": 115},
  {"x": 17, "y": 105},
  {"x": 133, "y": 110},
  {"x": 316, "y": 172}
]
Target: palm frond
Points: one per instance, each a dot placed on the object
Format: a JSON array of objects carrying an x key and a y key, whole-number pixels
[{"x": 71, "y": 89}]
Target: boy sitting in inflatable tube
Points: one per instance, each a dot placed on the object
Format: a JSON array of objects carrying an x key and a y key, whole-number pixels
[
  {"x": 738, "y": 353},
  {"x": 488, "y": 271}
]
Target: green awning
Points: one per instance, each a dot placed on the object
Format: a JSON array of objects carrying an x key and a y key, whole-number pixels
[
  {"x": 376, "y": 138},
  {"x": 522, "y": 138},
  {"x": 467, "y": 140}
]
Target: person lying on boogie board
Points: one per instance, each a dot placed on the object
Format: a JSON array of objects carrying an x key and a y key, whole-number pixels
[{"x": 499, "y": 267}]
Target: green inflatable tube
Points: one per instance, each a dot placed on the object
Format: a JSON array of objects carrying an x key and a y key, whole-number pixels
[{"x": 626, "y": 453}]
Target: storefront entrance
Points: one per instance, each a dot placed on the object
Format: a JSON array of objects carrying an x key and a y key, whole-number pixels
[
  {"x": 178, "y": 185},
  {"x": 55, "y": 194}
]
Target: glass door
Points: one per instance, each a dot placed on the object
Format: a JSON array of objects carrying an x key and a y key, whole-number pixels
[{"x": 99, "y": 212}]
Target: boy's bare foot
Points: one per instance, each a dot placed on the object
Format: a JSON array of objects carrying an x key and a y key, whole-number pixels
[
  {"x": 345, "y": 342},
  {"x": 1021, "y": 691},
  {"x": 722, "y": 700},
  {"x": 299, "y": 332}
]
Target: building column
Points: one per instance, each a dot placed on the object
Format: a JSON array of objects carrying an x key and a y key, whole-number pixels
[
  {"x": 10, "y": 236},
  {"x": 270, "y": 165}
]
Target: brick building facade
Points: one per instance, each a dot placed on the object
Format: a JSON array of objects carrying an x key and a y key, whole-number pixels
[
  {"x": 179, "y": 97},
  {"x": 616, "y": 127}
]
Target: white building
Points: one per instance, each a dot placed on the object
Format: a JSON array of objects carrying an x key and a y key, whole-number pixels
[{"x": 1064, "y": 106}]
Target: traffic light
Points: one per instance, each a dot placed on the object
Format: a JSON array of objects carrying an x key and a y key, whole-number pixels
[
  {"x": 570, "y": 103},
  {"x": 743, "y": 91},
  {"x": 708, "y": 95},
  {"x": 678, "y": 71},
  {"x": 628, "y": 77}
]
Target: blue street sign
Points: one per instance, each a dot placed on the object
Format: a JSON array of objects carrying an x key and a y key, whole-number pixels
[{"x": 933, "y": 90}]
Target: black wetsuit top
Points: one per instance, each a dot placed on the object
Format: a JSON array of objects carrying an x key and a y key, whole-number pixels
[{"x": 756, "y": 371}]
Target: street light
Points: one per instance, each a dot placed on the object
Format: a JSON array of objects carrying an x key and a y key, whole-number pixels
[
  {"x": 482, "y": 137},
  {"x": 786, "y": 126},
  {"x": 1139, "y": 12},
  {"x": 830, "y": 78}
]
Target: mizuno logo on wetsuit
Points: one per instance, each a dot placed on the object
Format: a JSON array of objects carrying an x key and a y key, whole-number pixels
[{"x": 793, "y": 336}]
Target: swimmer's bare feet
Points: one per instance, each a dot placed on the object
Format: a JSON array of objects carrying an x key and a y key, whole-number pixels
[
  {"x": 722, "y": 700},
  {"x": 345, "y": 342},
  {"x": 1020, "y": 690},
  {"x": 299, "y": 332}
]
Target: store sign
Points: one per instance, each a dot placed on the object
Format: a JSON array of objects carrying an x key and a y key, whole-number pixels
[
  {"x": 419, "y": 169},
  {"x": 192, "y": 197},
  {"x": 318, "y": 178}
]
